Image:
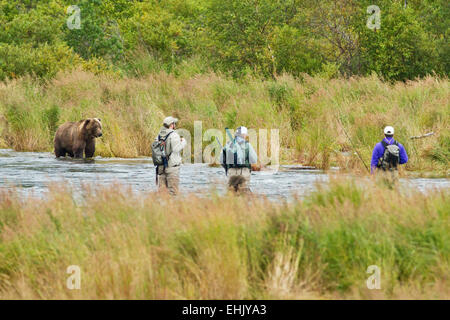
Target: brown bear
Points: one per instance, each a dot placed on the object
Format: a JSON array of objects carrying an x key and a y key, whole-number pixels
[{"x": 74, "y": 138}]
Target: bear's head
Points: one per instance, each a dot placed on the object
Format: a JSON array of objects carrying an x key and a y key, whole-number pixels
[{"x": 92, "y": 128}]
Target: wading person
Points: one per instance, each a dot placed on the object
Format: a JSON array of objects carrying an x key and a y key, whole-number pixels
[
  {"x": 237, "y": 157},
  {"x": 166, "y": 154},
  {"x": 388, "y": 154}
]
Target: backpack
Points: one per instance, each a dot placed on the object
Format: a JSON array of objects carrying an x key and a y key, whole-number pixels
[
  {"x": 230, "y": 153},
  {"x": 159, "y": 152},
  {"x": 391, "y": 156}
]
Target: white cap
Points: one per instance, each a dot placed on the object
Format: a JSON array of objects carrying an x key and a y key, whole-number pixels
[
  {"x": 389, "y": 130},
  {"x": 169, "y": 120},
  {"x": 241, "y": 131}
]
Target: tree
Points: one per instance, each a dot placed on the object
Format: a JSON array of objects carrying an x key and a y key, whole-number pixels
[
  {"x": 401, "y": 49},
  {"x": 99, "y": 35},
  {"x": 238, "y": 33}
]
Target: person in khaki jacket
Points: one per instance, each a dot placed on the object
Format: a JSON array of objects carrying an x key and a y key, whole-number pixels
[{"x": 169, "y": 177}]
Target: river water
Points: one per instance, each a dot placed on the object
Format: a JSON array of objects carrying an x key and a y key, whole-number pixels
[{"x": 31, "y": 173}]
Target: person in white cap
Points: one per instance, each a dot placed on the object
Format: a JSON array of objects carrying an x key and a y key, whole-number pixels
[
  {"x": 168, "y": 175},
  {"x": 388, "y": 153},
  {"x": 237, "y": 157}
]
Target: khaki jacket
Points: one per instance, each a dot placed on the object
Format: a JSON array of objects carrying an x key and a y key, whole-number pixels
[{"x": 174, "y": 146}]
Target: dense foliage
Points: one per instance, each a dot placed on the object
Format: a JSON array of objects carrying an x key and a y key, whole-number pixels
[{"x": 236, "y": 37}]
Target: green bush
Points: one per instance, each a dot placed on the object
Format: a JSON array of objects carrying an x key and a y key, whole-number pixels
[
  {"x": 33, "y": 27},
  {"x": 154, "y": 29},
  {"x": 44, "y": 61},
  {"x": 294, "y": 53},
  {"x": 401, "y": 49},
  {"x": 99, "y": 35}
]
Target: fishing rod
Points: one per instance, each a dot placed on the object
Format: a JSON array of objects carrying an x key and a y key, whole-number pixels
[
  {"x": 229, "y": 134},
  {"x": 351, "y": 142},
  {"x": 221, "y": 147},
  {"x": 221, "y": 150},
  {"x": 218, "y": 141}
]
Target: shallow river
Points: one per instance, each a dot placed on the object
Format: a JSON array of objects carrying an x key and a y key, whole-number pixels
[{"x": 32, "y": 173}]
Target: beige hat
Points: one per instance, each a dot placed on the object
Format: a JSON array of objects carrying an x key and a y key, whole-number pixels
[{"x": 169, "y": 120}]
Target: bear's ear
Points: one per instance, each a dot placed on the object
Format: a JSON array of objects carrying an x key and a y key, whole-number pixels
[
  {"x": 86, "y": 122},
  {"x": 99, "y": 119}
]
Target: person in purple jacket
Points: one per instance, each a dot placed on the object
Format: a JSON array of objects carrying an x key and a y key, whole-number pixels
[{"x": 388, "y": 153}]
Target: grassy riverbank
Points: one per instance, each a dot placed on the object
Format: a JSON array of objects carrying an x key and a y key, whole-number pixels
[
  {"x": 306, "y": 112},
  {"x": 140, "y": 247}
]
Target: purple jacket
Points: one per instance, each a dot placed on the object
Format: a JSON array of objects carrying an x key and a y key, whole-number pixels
[{"x": 378, "y": 152}]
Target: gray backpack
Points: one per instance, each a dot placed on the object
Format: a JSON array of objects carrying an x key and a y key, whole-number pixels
[
  {"x": 231, "y": 159},
  {"x": 391, "y": 156},
  {"x": 159, "y": 152}
]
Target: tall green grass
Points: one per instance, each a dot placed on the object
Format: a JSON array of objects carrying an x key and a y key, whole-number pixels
[
  {"x": 311, "y": 113},
  {"x": 153, "y": 247}
]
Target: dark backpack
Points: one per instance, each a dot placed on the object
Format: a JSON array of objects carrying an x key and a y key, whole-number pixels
[
  {"x": 159, "y": 152},
  {"x": 230, "y": 152},
  {"x": 391, "y": 156}
]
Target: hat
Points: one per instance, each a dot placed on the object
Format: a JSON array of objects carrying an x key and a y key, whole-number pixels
[
  {"x": 169, "y": 120},
  {"x": 389, "y": 130},
  {"x": 241, "y": 131}
]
